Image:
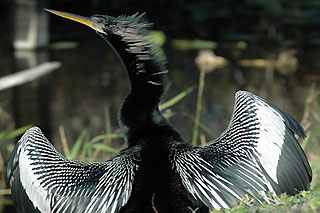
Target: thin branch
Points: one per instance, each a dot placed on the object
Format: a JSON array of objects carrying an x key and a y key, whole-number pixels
[
  {"x": 152, "y": 203},
  {"x": 27, "y": 75},
  {"x": 64, "y": 142},
  {"x": 198, "y": 109}
]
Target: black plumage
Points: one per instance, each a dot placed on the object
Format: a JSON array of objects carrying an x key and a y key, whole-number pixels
[{"x": 159, "y": 171}]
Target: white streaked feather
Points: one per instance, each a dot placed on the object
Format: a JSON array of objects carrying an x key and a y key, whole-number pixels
[
  {"x": 268, "y": 184},
  {"x": 249, "y": 180},
  {"x": 253, "y": 142},
  {"x": 271, "y": 139},
  {"x": 51, "y": 181},
  {"x": 36, "y": 193}
]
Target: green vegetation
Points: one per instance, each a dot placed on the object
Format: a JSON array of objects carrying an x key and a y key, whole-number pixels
[
  {"x": 193, "y": 44},
  {"x": 303, "y": 202},
  {"x": 7, "y": 135}
]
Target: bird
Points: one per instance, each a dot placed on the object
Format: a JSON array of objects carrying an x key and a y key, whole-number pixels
[{"x": 160, "y": 171}]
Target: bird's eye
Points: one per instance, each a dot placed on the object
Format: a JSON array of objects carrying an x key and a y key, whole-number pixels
[{"x": 100, "y": 21}]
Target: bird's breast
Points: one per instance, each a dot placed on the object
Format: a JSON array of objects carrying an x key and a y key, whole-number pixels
[{"x": 157, "y": 185}]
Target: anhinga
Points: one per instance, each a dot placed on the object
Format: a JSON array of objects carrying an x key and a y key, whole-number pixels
[{"x": 159, "y": 171}]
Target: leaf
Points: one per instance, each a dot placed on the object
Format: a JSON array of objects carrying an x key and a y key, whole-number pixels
[
  {"x": 103, "y": 137},
  {"x": 103, "y": 147},
  {"x": 91, "y": 144},
  {"x": 176, "y": 99},
  {"x": 77, "y": 145},
  {"x": 6, "y": 135},
  {"x": 5, "y": 191},
  {"x": 184, "y": 44},
  {"x": 157, "y": 37}
]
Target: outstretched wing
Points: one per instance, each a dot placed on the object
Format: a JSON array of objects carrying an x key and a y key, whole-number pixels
[
  {"x": 42, "y": 177},
  {"x": 258, "y": 152}
]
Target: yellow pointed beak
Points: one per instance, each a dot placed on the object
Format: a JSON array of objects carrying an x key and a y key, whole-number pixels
[{"x": 81, "y": 19}]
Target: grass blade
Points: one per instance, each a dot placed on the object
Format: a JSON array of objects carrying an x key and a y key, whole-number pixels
[
  {"x": 176, "y": 99},
  {"x": 64, "y": 142},
  {"x": 103, "y": 147},
  {"x": 77, "y": 145},
  {"x": 103, "y": 137},
  {"x": 6, "y": 135},
  {"x": 199, "y": 106}
]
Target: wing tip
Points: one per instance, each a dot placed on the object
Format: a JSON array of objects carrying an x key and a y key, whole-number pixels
[
  {"x": 32, "y": 130},
  {"x": 289, "y": 120},
  {"x": 291, "y": 124},
  {"x": 14, "y": 156}
]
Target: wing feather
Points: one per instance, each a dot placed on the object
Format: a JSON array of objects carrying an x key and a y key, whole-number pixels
[
  {"x": 258, "y": 152},
  {"x": 55, "y": 184}
]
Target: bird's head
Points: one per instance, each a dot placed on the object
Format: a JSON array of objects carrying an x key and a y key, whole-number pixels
[{"x": 130, "y": 28}]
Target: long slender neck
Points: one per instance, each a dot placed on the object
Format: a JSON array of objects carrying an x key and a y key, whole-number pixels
[
  {"x": 147, "y": 75},
  {"x": 144, "y": 66}
]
